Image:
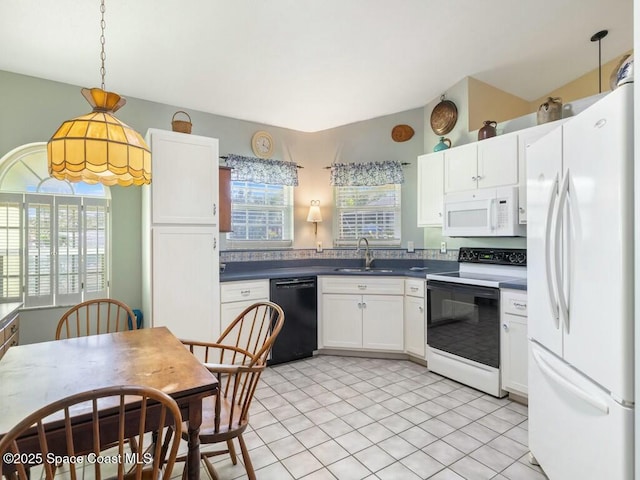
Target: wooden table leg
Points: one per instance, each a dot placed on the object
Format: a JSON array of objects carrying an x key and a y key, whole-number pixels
[{"x": 193, "y": 454}]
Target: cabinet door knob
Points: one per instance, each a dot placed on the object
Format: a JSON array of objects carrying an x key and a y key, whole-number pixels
[
  {"x": 421, "y": 308},
  {"x": 474, "y": 178},
  {"x": 521, "y": 209},
  {"x": 480, "y": 177},
  {"x": 245, "y": 292},
  {"x": 440, "y": 214},
  {"x": 362, "y": 286},
  {"x": 505, "y": 327}
]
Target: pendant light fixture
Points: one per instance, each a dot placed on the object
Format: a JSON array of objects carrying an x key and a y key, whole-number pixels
[
  {"x": 97, "y": 147},
  {"x": 597, "y": 37}
]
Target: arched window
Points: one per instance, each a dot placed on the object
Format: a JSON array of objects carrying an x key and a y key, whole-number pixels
[{"x": 54, "y": 235}]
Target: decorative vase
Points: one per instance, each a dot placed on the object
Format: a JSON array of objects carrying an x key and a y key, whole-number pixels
[
  {"x": 488, "y": 130},
  {"x": 550, "y": 111},
  {"x": 443, "y": 144}
]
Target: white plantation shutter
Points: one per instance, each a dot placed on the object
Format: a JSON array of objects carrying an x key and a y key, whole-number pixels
[
  {"x": 368, "y": 211},
  {"x": 10, "y": 247},
  {"x": 95, "y": 248},
  {"x": 68, "y": 249},
  {"x": 38, "y": 250},
  {"x": 54, "y": 235}
]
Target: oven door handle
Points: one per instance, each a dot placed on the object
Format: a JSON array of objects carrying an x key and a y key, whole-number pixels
[{"x": 484, "y": 292}]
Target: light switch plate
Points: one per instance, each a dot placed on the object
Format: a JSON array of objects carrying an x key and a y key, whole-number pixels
[
  {"x": 319, "y": 246},
  {"x": 410, "y": 247},
  {"x": 443, "y": 247}
]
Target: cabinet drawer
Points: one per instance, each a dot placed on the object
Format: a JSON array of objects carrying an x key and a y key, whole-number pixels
[
  {"x": 414, "y": 288},
  {"x": 10, "y": 328},
  {"x": 250, "y": 290},
  {"x": 514, "y": 303},
  {"x": 362, "y": 285},
  {"x": 12, "y": 341}
]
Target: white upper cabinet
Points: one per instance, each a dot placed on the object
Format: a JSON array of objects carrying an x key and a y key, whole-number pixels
[
  {"x": 461, "y": 168},
  {"x": 185, "y": 178},
  {"x": 498, "y": 161},
  {"x": 488, "y": 163},
  {"x": 430, "y": 189}
]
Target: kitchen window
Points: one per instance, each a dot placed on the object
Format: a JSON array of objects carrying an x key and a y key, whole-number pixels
[
  {"x": 54, "y": 235},
  {"x": 261, "y": 215},
  {"x": 367, "y": 202},
  {"x": 368, "y": 211},
  {"x": 261, "y": 202}
]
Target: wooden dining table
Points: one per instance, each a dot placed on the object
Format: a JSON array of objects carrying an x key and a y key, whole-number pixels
[{"x": 35, "y": 375}]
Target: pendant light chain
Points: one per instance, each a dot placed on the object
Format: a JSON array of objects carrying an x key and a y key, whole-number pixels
[{"x": 102, "y": 53}]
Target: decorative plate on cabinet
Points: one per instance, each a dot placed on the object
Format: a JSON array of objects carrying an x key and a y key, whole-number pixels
[
  {"x": 444, "y": 116},
  {"x": 262, "y": 144}
]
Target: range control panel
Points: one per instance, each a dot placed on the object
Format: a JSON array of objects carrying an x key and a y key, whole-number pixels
[{"x": 495, "y": 256}]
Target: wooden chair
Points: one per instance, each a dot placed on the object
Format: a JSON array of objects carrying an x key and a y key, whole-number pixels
[
  {"x": 158, "y": 410},
  {"x": 238, "y": 359},
  {"x": 102, "y": 315}
]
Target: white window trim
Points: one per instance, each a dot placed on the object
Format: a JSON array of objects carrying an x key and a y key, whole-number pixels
[
  {"x": 236, "y": 244},
  {"x": 338, "y": 242}
]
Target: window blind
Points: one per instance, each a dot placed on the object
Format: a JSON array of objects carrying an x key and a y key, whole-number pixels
[
  {"x": 261, "y": 214},
  {"x": 373, "y": 212},
  {"x": 10, "y": 247}
]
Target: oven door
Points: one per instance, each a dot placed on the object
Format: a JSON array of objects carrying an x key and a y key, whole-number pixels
[{"x": 464, "y": 320}]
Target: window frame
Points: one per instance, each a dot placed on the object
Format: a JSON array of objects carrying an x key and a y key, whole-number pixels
[
  {"x": 55, "y": 202},
  {"x": 339, "y": 241},
  {"x": 287, "y": 214}
]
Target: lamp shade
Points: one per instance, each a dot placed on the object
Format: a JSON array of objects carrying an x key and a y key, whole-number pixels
[
  {"x": 99, "y": 148},
  {"x": 314, "y": 213}
]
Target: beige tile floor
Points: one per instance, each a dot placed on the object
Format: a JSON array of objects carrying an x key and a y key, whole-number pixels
[{"x": 345, "y": 418}]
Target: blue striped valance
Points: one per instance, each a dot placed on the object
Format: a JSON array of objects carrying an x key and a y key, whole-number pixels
[
  {"x": 366, "y": 174},
  {"x": 260, "y": 170}
]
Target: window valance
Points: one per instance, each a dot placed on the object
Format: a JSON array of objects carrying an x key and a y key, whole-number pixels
[
  {"x": 260, "y": 170},
  {"x": 366, "y": 174}
]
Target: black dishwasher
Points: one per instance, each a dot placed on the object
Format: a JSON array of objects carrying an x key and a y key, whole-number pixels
[{"x": 299, "y": 335}]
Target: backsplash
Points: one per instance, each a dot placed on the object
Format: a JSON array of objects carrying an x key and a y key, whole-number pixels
[{"x": 337, "y": 253}]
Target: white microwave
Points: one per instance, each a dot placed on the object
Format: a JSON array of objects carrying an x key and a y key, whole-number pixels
[{"x": 486, "y": 212}]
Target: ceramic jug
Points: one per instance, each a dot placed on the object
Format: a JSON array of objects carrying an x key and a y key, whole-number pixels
[
  {"x": 550, "y": 110},
  {"x": 443, "y": 144},
  {"x": 488, "y": 130}
]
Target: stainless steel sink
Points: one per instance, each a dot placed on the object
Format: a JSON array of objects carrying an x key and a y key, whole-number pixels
[{"x": 363, "y": 270}]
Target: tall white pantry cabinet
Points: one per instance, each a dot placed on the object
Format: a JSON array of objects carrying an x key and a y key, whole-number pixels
[{"x": 180, "y": 246}]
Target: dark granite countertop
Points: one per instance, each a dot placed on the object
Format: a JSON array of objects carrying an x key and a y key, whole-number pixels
[
  {"x": 311, "y": 267},
  {"x": 516, "y": 284}
]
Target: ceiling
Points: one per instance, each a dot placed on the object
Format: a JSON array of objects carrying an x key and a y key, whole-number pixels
[{"x": 310, "y": 65}]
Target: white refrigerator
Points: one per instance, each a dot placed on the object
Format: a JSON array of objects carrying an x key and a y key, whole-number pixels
[{"x": 580, "y": 290}]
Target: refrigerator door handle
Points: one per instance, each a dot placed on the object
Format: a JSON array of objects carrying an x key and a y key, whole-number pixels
[
  {"x": 562, "y": 301},
  {"x": 567, "y": 385},
  {"x": 553, "y": 301}
]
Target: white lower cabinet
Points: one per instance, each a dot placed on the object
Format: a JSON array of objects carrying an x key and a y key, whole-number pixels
[
  {"x": 415, "y": 339},
  {"x": 362, "y": 313},
  {"x": 513, "y": 341},
  {"x": 184, "y": 282},
  {"x": 236, "y": 296}
]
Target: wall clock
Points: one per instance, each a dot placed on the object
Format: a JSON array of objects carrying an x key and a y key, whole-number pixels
[{"x": 262, "y": 144}]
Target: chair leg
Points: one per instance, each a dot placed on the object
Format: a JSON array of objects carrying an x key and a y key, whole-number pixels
[
  {"x": 247, "y": 460},
  {"x": 232, "y": 452},
  {"x": 210, "y": 468}
]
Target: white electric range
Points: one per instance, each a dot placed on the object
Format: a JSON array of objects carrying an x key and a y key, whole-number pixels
[{"x": 463, "y": 316}]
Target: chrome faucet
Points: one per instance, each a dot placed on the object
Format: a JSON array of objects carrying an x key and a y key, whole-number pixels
[{"x": 368, "y": 256}]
